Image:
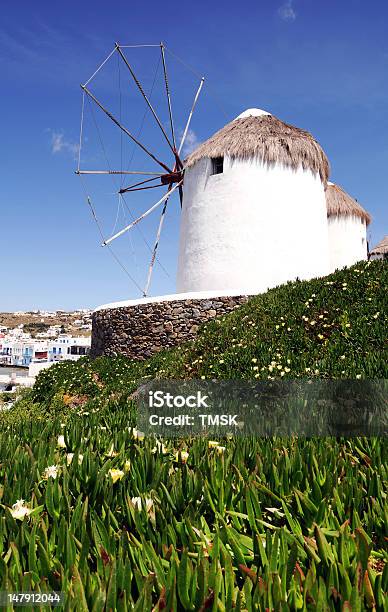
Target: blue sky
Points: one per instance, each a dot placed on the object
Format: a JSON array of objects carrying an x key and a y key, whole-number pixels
[{"x": 322, "y": 66}]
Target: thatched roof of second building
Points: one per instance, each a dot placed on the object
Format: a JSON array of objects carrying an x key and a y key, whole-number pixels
[
  {"x": 339, "y": 203},
  {"x": 256, "y": 133},
  {"x": 381, "y": 248}
]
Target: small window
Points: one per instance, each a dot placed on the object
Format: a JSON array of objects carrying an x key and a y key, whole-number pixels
[{"x": 217, "y": 165}]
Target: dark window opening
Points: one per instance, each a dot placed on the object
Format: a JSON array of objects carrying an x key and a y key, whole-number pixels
[{"x": 217, "y": 165}]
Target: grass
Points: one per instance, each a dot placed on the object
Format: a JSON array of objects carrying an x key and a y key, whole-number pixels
[{"x": 118, "y": 522}]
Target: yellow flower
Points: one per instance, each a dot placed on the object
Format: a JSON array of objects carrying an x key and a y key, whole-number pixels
[
  {"x": 321, "y": 337},
  {"x": 127, "y": 466},
  {"x": 20, "y": 510},
  {"x": 184, "y": 455},
  {"x": 61, "y": 442},
  {"x": 159, "y": 448},
  {"x": 111, "y": 452},
  {"x": 116, "y": 474},
  {"x": 212, "y": 444},
  {"x": 220, "y": 450}
]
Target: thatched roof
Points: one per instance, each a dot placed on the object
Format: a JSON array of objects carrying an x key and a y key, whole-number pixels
[
  {"x": 381, "y": 248},
  {"x": 258, "y": 134},
  {"x": 339, "y": 203}
]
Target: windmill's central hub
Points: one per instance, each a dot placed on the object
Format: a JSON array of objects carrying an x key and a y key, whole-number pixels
[{"x": 172, "y": 177}]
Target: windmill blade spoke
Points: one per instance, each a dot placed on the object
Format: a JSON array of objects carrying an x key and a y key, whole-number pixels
[
  {"x": 132, "y": 187},
  {"x": 143, "y": 216},
  {"x": 129, "y": 190},
  {"x": 138, "y": 84},
  {"x": 100, "y": 66},
  {"x": 168, "y": 94},
  {"x": 190, "y": 116},
  {"x": 156, "y": 245},
  {"x": 124, "y": 129},
  {"x": 157, "y": 174}
]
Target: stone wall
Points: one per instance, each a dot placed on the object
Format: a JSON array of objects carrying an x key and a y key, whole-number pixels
[{"x": 140, "y": 330}]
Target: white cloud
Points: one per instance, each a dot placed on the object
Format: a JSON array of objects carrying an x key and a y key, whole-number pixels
[
  {"x": 191, "y": 142},
  {"x": 60, "y": 144},
  {"x": 286, "y": 11}
]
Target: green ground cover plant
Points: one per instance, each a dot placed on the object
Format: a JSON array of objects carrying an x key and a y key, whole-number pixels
[{"x": 116, "y": 521}]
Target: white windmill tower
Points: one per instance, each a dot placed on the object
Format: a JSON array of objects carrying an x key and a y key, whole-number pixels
[{"x": 254, "y": 213}]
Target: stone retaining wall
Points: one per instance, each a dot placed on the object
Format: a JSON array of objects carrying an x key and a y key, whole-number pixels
[{"x": 140, "y": 330}]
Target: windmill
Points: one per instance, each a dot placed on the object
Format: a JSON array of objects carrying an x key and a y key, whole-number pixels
[{"x": 169, "y": 173}]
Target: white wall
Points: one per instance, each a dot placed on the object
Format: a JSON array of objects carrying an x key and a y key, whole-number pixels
[
  {"x": 347, "y": 241},
  {"x": 250, "y": 228}
]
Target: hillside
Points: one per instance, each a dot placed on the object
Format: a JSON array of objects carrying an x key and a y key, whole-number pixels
[
  {"x": 34, "y": 323},
  {"x": 334, "y": 327},
  {"x": 116, "y": 521}
]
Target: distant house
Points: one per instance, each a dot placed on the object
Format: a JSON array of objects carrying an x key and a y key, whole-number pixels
[{"x": 380, "y": 251}]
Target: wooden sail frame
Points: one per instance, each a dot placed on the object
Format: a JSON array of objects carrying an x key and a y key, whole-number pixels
[{"x": 173, "y": 178}]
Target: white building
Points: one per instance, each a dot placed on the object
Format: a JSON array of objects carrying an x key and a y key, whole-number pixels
[
  {"x": 254, "y": 208},
  {"x": 380, "y": 251},
  {"x": 68, "y": 347},
  {"x": 347, "y": 223},
  {"x": 22, "y": 351}
]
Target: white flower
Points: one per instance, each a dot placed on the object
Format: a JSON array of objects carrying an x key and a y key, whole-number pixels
[
  {"x": 69, "y": 458},
  {"x": 136, "y": 501},
  {"x": 51, "y": 472},
  {"x": 61, "y": 442},
  {"x": 220, "y": 450},
  {"x": 19, "y": 510},
  {"x": 358, "y": 376},
  {"x": 149, "y": 506}
]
